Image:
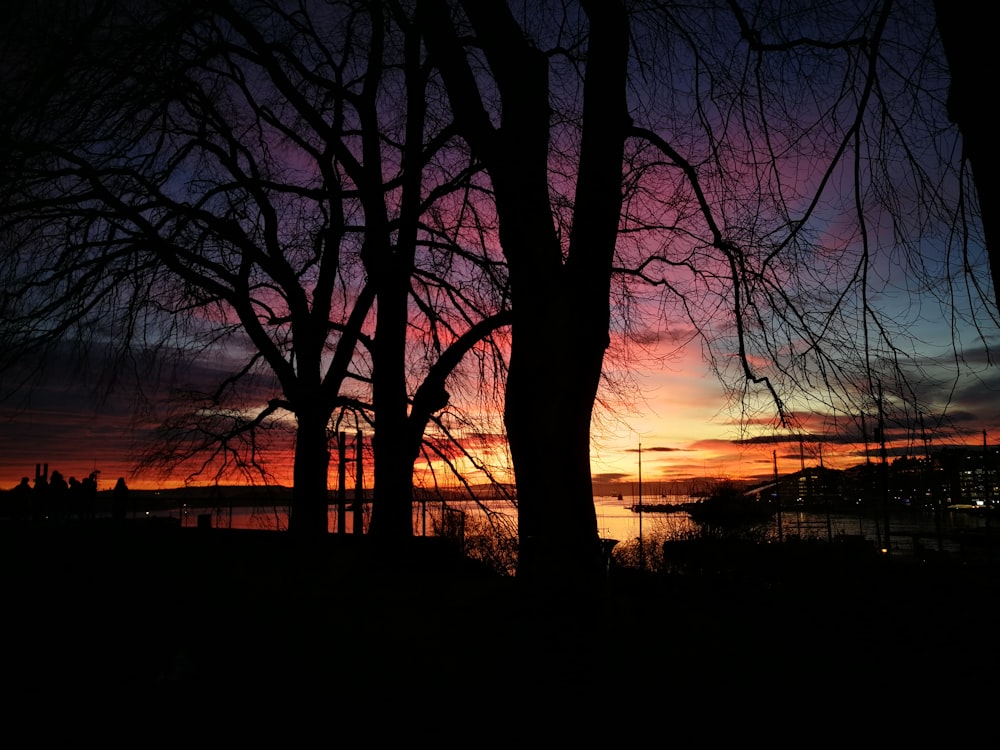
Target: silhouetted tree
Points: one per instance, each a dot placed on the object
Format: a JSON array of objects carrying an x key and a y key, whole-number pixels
[
  {"x": 968, "y": 44},
  {"x": 309, "y": 183},
  {"x": 262, "y": 177},
  {"x": 560, "y": 287},
  {"x": 757, "y": 170}
]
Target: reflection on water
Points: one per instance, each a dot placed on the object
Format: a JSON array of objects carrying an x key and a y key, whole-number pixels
[
  {"x": 428, "y": 517},
  {"x": 617, "y": 520},
  {"x": 908, "y": 531}
]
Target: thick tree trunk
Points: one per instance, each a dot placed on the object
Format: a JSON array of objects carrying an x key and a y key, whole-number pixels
[
  {"x": 555, "y": 365},
  {"x": 560, "y": 306},
  {"x": 392, "y": 510},
  {"x": 561, "y": 331},
  {"x": 967, "y": 33},
  {"x": 310, "y": 498}
]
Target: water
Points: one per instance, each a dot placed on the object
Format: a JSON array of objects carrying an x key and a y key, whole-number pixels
[
  {"x": 908, "y": 532},
  {"x": 615, "y": 519}
]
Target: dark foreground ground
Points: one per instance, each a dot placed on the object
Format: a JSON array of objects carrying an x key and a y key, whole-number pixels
[{"x": 132, "y": 620}]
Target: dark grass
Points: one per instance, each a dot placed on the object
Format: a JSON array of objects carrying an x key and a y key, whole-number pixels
[{"x": 156, "y": 615}]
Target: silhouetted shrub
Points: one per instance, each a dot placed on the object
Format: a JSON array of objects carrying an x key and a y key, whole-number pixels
[{"x": 490, "y": 539}]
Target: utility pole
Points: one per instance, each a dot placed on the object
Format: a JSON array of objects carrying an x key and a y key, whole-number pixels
[
  {"x": 987, "y": 495},
  {"x": 359, "y": 484},
  {"x": 927, "y": 491},
  {"x": 805, "y": 474},
  {"x": 341, "y": 483},
  {"x": 642, "y": 549},
  {"x": 884, "y": 470},
  {"x": 777, "y": 494}
]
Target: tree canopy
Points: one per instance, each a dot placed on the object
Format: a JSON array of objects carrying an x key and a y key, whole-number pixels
[
  {"x": 248, "y": 177},
  {"x": 364, "y": 199}
]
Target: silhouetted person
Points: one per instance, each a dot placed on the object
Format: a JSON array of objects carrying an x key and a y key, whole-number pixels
[
  {"x": 20, "y": 506},
  {"x": 88, "y": 497},
  {"x": 58, "y": 497},
  {"x": 74, "y": 499},
  {"x": 40, "y": 500},
  {"x": 119, "y": 500}
]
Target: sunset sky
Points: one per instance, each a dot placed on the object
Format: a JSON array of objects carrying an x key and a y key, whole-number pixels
[
  {"x": 662, "y": 393},
  {"x": 689, "y": 431},
  {"x": 677, "y": 411}
]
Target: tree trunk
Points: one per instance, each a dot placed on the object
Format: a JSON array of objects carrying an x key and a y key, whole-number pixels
[
  {"x": 560, "y": 306},
  {"x": 561, "y": 331},
  {"x": 392, "y": 510},
  {"x": 310, "y": 500},
  {"x": 967, "y": 35},
  {"x": 554, "y": 367}
]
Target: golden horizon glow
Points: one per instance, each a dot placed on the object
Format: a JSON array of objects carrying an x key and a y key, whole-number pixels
[{"x": 677, "y": 413}]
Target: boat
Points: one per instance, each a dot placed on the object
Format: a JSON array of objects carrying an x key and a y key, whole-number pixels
[
  {"x": 729, "y": 506},
  {"x": 659, "y": 507}
]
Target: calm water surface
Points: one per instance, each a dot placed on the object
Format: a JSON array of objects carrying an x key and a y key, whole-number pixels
[{"x": 617, "y": 520}]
